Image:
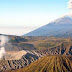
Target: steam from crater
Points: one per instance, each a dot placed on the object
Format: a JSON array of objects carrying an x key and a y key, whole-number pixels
[{"x": 3, "y": 40}]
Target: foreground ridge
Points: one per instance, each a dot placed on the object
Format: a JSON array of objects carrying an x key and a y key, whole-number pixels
[{"x": 57, "y": 63}]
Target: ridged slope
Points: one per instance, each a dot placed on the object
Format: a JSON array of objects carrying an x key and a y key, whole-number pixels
[
  {"x": 63, "y": 49},
  {"x": 25, "y": 60},
  {"x": 49, "y": 64}
]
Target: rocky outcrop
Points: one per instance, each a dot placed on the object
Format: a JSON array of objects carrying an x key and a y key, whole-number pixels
[{"x": 25, "y": 60}]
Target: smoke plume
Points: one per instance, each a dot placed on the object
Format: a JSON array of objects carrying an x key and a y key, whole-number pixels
[
  {"x": 70, "y": 4},
  {"x": 3, "y": 40}
]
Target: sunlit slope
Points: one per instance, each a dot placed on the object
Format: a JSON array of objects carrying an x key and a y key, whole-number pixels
[{"x": 49, "y": 64}]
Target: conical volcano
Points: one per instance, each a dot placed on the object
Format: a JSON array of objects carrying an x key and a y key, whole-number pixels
[{"x": 61, "y": 27}]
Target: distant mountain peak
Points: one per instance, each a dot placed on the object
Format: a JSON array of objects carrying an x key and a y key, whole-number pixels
[
  {"x": 68, "y": 15},
  {"x": 66, "y": 19},
  {"x": 61, "y": 27}
]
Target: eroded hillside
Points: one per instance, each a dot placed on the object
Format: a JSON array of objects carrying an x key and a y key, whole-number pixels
[
  {"x": 18, "y": 60},
  {"x": 55, "y": 63}
]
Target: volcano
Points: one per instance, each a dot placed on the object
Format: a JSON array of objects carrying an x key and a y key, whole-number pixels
[{"x": 61, "y": 27}]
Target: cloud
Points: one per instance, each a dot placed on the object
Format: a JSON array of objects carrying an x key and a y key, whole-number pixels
[
  {"x": 70, "y": 4},
  {"x": 2, "y": 52}
]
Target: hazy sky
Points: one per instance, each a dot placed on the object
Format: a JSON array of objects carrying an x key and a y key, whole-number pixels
[{"x": 33, "y": 13}]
